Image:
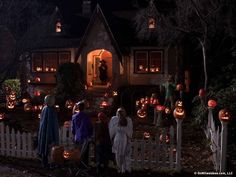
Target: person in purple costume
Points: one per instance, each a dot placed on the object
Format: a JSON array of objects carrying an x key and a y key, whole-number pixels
[{"x": 82, "y": 129}]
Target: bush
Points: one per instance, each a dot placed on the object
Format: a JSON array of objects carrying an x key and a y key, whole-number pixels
[{"x": 13, "y": 85}]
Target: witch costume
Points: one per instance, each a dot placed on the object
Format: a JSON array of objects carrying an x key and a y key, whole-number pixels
[{"x": 48, "y": 134}]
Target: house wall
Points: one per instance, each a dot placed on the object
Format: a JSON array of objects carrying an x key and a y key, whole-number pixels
[{"x": 169, "y": 67}]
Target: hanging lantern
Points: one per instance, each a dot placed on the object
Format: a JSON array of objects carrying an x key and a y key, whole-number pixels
[
  {"x": 69, "y": 104},
  {"x": 179, "y": 87},
  {"x": 179, "y": 113},
  {"x": 179, "y": 103},
  {"x": 202, "y": 92},
  {"x": 146, "y": 135},
  {"x": 224, "y": 115},
  {"x": 142, "y": 113},
  {"x": 67, "y": 124},
  {"x": 27, "y": 107},
  {"x": 37, "y": 79},
  {"x": 160, "y": 108},
  {"x": 37, "y": 93},
  {"x": 211, "y": 103}
]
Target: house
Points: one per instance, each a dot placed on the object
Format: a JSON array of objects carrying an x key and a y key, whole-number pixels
[{"x": 99, "y": 34}]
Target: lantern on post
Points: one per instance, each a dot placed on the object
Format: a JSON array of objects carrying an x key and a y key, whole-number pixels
[{"x": 211, "y": 103}]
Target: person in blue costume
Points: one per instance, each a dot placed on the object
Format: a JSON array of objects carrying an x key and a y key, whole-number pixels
[
  {"x": 82, "y": 129},
  {"x": 48, "y": 134}
]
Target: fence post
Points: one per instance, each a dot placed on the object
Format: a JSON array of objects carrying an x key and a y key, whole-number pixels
[
  {"x": 209, "y": 120},
  {"x": 223, "y": 149},
  {"x": 179, "y": 143}
]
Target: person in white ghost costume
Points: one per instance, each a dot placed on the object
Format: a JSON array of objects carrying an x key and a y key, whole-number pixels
[{"x": 121, "y": 130}]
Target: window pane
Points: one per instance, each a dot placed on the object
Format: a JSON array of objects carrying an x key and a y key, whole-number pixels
[
  {"x": 64, "y": 57},
  {"x": 155, "y": 61},
  {"x": 50, "y": 62},
  {"x": 141, "y": 62},
  {"x": 37, "y": 62}
]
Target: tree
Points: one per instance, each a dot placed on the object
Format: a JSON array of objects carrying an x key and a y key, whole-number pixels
[
  {"x": 19, "y": 17},
  {"x": 70, "y": 82},
  {"x": 203, "y": 21}
]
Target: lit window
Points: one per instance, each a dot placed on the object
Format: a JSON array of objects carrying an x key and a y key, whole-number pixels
[
  {"x": 58, "y": 27},
  {"x": 151, "y": 23},
  {"x": 148, "y": 61}
]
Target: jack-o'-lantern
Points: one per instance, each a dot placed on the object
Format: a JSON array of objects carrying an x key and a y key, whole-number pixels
[
  {"x": 160, "y": 108},
  {"x": 2, "y": 116},
  {"x": 25, "y": 100},
  {"x": 72, "y": 154},
  {"x": 12, "y": 96},
  {"x": 211, "y": 103},
  {"x": 37, "y": 79},
  {"x": 104, "y": 104},
  {"x": 202, "y": 92},
  {"x": 167, "y": 139},
  {"x": 57, "y": 154},
  {"x": 224, "y": 115},
  {"x": 37, "y": 93},
  {"x": 179, "y": 87},
  {"x": 69, "y": 104},
  {"x": 67, "y": 124},
  {"x": 27, "y": 107},
  {"x": 179, "y": 103},
  {"x": 10, "y": 105},
  {"x": 179, "y": 113},
  {"x": 167, "y": 110},
  {"x": 142, "y": 113},
  {"x": 146, "y": 135}
]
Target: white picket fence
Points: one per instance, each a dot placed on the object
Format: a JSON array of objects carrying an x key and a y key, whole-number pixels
[
  {"x": 218, "y": 141},
  {"x": 149, "y": 153}
]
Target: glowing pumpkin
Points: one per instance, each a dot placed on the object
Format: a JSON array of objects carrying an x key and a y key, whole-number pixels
[
  {"x": 12, "y": 96},
  {"x": 37, "y": 79},
  {"x": 37, "y": 93},
  {"x": 142, "y": 113},
  {"x": 69, "y": 104},
  {"x": 179, "y": 87},
  {"x": 10, "y": 105},
  {"x": 72, "y": 154},
  {"x": 25, "y": 100},
  {"x": 146, "y": 135},
  {"x": 224, "y": 115},
  {"x": 2, "y": 116},
  {"x": 179, "y": 113},
  {"x": 167, "y": 139},
  {"x": 167, "y": 110},
  {"x": 27, "y": 107},
  {"x": 211, "y": 103},
  {"x": 179, "y": 103},
  {"x": 104, "y": 104}
]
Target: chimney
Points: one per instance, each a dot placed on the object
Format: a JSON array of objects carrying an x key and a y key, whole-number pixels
[{"x": 86, "y": 7}]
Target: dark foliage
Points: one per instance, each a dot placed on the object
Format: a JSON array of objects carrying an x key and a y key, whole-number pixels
[{"x": 70, "y": 82}]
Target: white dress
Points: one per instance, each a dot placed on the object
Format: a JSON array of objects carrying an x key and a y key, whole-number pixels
[{"x": 121, "y": 137}]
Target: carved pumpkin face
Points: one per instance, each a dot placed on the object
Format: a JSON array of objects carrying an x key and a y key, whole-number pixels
[
  {"x": 146, "y": 135},
  {"x": 211, "y": 103},
  {"x": 10, "y": 105},
  {"x": 12, "y": 96},
  {"x": 67, "y": 154},
  {"x": 142, "y": 113},
  {"x": 179, "y": 113},
  {"x": 25, "y": 100},
  {"x": 179, "y": 103},
  {"x": 167, "y": 139},
  {"x": 167, "y": 110},
  {"x": 179, "y": 87},
  {"x": 224, "y": 115},
  {"x": 69, "y": 104},
  {"x": 27, "y": 107}
]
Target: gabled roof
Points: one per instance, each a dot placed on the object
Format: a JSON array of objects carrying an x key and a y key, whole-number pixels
[{"x": 97, "y": 13}]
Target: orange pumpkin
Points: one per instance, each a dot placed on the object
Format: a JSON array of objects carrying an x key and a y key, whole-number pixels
[
  {"x": 179, "y": 103},
  {"x": 72, "y": 154},
  {"x": 27, "y": 107},
  {"x": 167, "y": 139},
  {"x": 167, "y": 110},
  {"x": 179, "y": 113},
  {"x": 2, "y": 116},
  {"x": 224, "y": 115},
  {"x": 146, "y": 135},
  {"x": 142, "y": 113},
  {"x": 211, "y": 103}
]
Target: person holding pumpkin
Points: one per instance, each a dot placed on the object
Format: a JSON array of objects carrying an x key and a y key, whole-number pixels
[
  {"x": 82, "y": 129},
  {"x": 48, "y": 134},
  {"x": 121, "y": 130},
  {"x": 102, "y": 142}
]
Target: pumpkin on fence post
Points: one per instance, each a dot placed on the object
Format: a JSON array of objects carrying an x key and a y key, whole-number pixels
[
  {"x": 224, "y": 115},
  {"x": 211, "y": 103}
]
